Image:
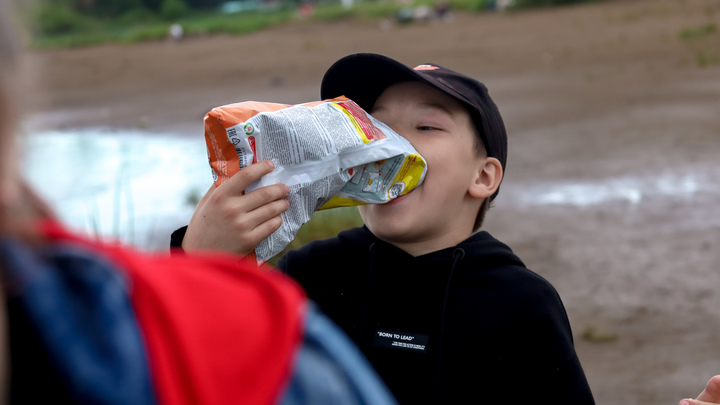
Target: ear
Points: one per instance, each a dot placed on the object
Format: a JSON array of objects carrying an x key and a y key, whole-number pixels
[{"x": 487, "y": 178}]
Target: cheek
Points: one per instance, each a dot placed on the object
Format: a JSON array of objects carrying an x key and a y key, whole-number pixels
[
  {"x": 449, "y": 168},
  {"x": 424, "y": 145},
  {"x": 437, "y": 156}
]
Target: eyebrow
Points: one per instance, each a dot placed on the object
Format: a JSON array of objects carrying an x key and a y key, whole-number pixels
[
  {"x": 425, "y": 104},
  {"x": 437, "y": 106}
]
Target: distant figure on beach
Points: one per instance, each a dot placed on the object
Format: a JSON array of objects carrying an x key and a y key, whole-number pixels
[
  {"x": 176, "y": 32},
  {"x": 502, "y": 5}
]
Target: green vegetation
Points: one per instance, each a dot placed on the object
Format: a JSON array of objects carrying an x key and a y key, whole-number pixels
[
  {"x": 519, "y": 4},
  {"x": 704, "y": 59},
  {"x": 72, "y": 23},
  {"x": 698, "y": 32},
  {"x": 173, "y": 9},
  {"x": 702, "y": 40},
  {"x": 140, "y": 25},
  {"x": 324, "y": 224},
  {"x": 373, "y": 9}
]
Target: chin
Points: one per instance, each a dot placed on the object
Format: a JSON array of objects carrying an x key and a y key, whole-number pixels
[
  {"x": 389, "y": 231},
  {"x": 387, "y": 222}
]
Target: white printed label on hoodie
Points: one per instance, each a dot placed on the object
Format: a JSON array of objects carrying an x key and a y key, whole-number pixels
[{"x": 412, "y": 342}]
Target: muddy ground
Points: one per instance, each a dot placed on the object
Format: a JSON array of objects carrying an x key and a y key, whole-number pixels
[{"x": 611, "y": 192}]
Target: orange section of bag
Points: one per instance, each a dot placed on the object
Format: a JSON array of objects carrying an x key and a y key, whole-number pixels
[{"x": 221, "y": 152}]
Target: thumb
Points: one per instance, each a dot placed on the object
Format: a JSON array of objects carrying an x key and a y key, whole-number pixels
[
  {"x": 689, "y": 401},
  {"x": 711, "y": 393}
]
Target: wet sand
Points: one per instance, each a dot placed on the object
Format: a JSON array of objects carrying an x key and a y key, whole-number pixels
[{"x": 611, "y": 191}]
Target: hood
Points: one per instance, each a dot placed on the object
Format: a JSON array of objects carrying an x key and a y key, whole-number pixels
[
  {"x": 473, "y": 256},
  {"x": 482, "y": 249}
]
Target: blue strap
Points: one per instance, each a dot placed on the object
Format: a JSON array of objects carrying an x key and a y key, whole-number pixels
[
  {"x": 80, "y": 307},
  {"x": 330, "y": 369}
]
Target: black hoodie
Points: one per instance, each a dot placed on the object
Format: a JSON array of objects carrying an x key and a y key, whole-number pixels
[{"x": 467, "y": 324}]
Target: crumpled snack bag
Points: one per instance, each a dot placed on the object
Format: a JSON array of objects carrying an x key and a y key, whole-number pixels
[{"x": 329, "y": 153}]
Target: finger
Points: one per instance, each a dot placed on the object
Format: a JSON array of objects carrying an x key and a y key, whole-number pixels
[
  {"x": 269, "y": 210},
  {"x": 242, "y": 179},
  {"x": 264, "y": 195},
  {"x": 711, "y": 393},
  {"x": 695, "y": 402},
  {"x": 251, "y": 239},
  {"x": 252, "y": 220},
  {"x": 266, "y": 228}
]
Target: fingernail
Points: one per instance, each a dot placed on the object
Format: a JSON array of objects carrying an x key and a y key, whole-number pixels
[
  {"x": 272, "y": 164},
  {"x": 684, "y": 402}
]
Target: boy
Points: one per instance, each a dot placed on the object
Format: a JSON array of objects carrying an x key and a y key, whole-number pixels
[{"x": 444, "y": 313}]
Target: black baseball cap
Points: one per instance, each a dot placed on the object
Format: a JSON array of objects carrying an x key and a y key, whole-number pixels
[{"x": 362, "y": 77}]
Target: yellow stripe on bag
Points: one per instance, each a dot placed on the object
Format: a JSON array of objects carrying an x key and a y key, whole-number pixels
[
  {"x": 411, "y": 172},
  {"x": 353, "y": 121},
  {"x": 338, "y": 201}
]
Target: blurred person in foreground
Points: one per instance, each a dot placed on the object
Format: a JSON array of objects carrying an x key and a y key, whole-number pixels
[{"x": 87, "y": 322}]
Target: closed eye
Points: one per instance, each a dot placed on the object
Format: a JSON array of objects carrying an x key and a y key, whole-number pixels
[{"x": 427, "y": 128}]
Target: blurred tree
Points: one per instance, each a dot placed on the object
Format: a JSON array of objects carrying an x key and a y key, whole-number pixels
[
  {"x": 152, "y": 4},
  {"x": 55, "y": 17},
  {"x": 103, "y": 8},
  {"x": 116, "y": 8},
  {"x": 173, "y": 9},
  {"x": 204, "y": 3},
  {"x": 541, "y": 3}
]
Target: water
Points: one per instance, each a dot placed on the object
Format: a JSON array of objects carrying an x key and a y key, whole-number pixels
[
  {"x": 131, "y": 185},
  {"x": 138, "y": 186},
  {"x": 682, "y": 184}
]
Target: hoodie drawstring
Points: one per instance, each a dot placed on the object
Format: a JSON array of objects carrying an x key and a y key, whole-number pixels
[
  {"x": 458, "y": 254},
  {"x": 368, "y": 286}
]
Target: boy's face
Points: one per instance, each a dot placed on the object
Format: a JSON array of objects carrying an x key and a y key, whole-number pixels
[{"x": 441, "y": 211}]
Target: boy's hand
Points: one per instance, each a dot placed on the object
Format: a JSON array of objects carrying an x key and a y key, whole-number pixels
[
  {"x": 709, "y": 396},
  {"x": 227, "y": 220}
]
